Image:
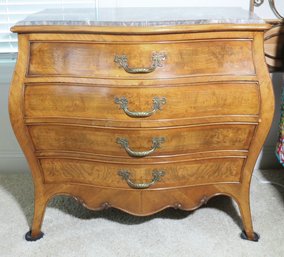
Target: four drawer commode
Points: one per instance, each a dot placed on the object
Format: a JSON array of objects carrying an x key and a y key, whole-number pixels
[{"x": 141, "y": 116}]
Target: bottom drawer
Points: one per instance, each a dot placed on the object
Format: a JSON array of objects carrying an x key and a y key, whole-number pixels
[{"x": 148, "y": 175}]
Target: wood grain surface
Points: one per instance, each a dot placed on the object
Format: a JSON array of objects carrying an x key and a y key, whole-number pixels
[
  {"x": 97, "y": 59},
  {"x": 218, "y": 111},
  {"x": 274, "y": 46},
  {"x": 97, "y": 102},
  {"x": 186, "y": 173},
  {"x": 103, "y": 141}
]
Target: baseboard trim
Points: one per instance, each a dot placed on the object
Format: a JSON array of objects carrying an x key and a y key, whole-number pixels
[
  {"x": 13, "y": 161},
  {"x": 267, "y": 159},
  {"x": 16, "y": 161}
]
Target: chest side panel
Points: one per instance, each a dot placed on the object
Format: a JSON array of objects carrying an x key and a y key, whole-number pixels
[{"x": 62, "y": 104}]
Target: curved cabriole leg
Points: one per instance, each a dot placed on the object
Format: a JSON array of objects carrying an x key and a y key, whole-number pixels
[
  {"x": 39, "y": 210},
  {"x": 247, "y": 233}
]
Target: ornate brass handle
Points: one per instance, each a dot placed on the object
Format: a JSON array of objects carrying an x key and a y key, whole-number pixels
[
  {"x": 157, "y": 141},
  {"x": 157, "y": 174},
  {"x": 123, "y": 102},
  {"x": 157, "y": 61}
]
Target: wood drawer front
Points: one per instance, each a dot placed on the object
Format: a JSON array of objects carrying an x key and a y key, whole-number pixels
[
  {"x": 175, "y": 174},
  {"x": 98, "y": 103},
  {"x": 200, "y": 57},
  {"x": 177, "y": 140}
]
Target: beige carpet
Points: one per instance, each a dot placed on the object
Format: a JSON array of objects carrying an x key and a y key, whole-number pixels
[{"x": 70, "y": 230}]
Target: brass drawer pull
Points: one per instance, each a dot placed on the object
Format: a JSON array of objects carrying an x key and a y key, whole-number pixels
[
  {"x": 157, "y": 141},
  {"x": 123, "y": 102},
  {"x": 157, "y": 61},
  {"x": 157, "y": 174}
]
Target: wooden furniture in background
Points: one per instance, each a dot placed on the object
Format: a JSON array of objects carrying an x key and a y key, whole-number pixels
[
  {"x": 274, "y": 37},
  {"x": 274, "y": 46},
  {"x": 141, "y": 118}
]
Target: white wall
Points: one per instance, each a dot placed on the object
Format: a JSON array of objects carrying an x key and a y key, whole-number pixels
[
  {"x": 169, "y": 3},
  {"x": 265, "y": 11},
  {"x": 11, "y": 157},
  {"x": 267, "y": 158}
]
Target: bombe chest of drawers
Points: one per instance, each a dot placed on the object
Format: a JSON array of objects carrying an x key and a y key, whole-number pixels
[{"x": 141, "y": 109}]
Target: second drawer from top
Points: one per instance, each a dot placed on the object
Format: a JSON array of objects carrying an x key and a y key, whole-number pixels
[{"x": 130, "y": 106}]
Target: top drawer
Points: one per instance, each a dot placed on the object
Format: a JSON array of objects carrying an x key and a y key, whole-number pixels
[{"x": 141, "y": 60}]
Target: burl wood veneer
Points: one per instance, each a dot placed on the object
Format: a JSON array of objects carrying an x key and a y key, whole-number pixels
[{"x": 141, "y": 118}]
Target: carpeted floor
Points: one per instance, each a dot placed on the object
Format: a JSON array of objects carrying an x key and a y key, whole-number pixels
[{"x": 71, "y": 230}]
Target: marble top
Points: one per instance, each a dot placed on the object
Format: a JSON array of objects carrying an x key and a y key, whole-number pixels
[{"x": 141, "y": 17}]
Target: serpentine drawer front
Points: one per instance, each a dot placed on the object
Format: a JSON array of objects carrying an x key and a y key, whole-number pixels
[
  {"x": 175, "y": 172},
  {"x": 125, "y": 60},
  {"x": 128, "y": 104},
  {"x": 162, "y": 141},
  {"x": 141, "y": 117}
]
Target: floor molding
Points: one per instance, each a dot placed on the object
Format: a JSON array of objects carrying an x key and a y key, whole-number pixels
[
  {"x": 14, "y": 161},
  {"x": 267, "y": 159}
]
